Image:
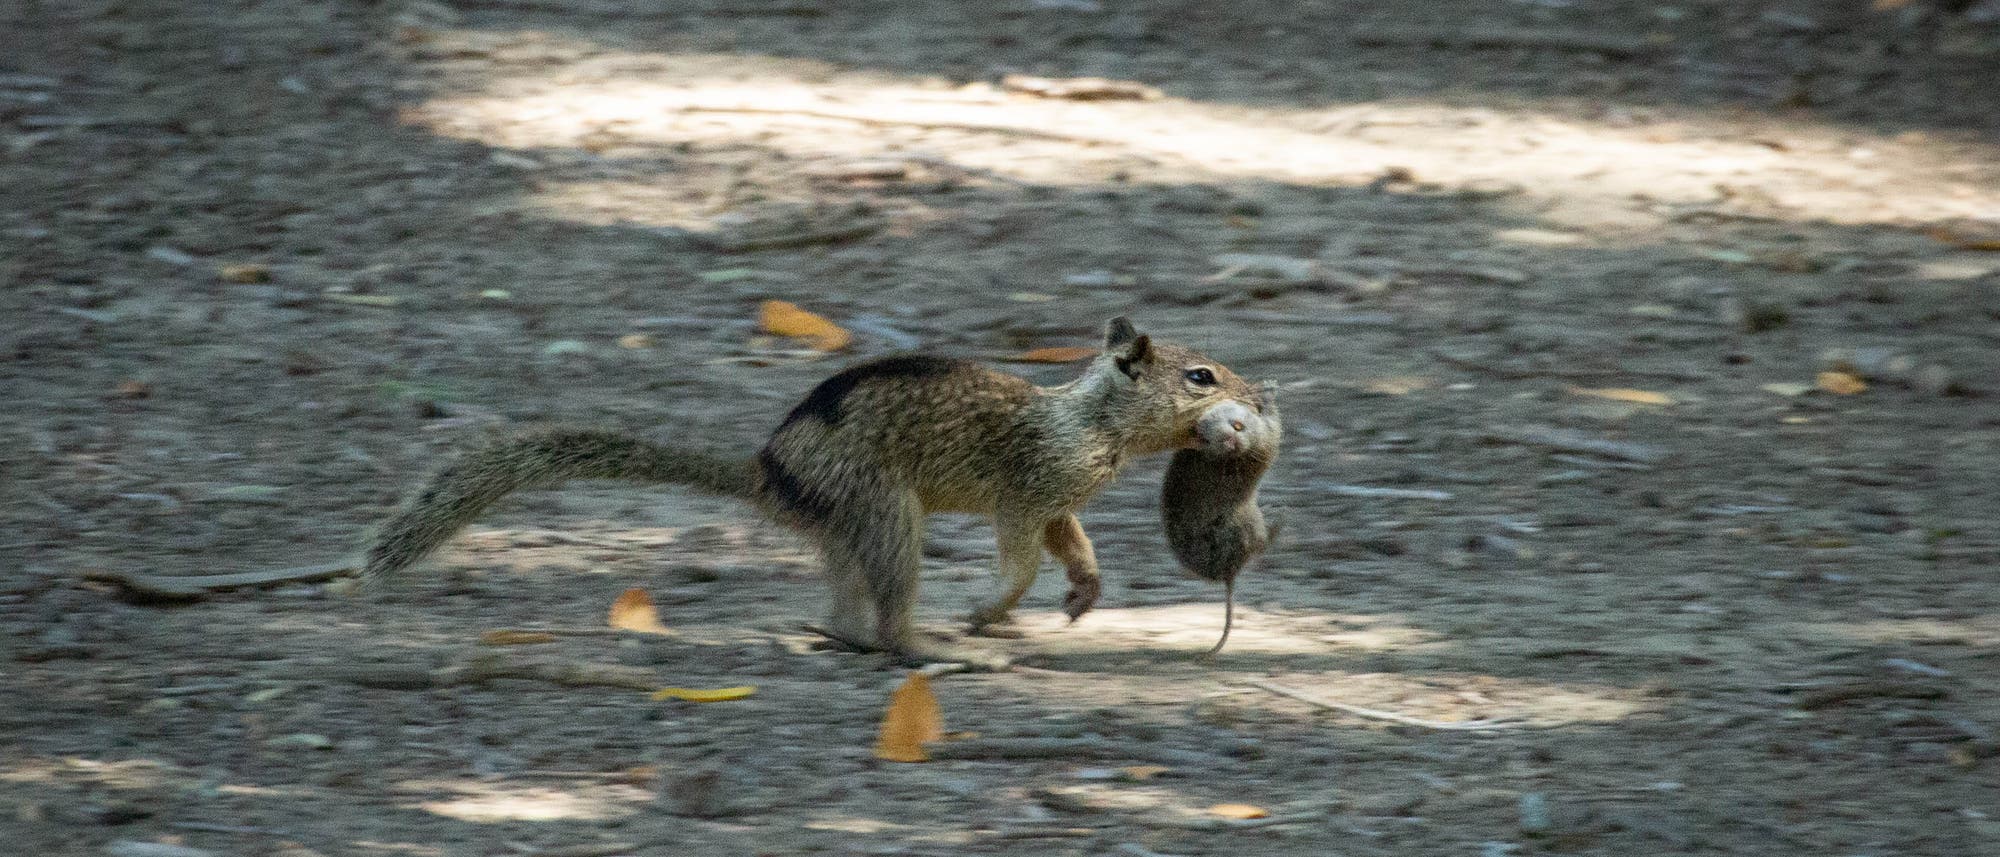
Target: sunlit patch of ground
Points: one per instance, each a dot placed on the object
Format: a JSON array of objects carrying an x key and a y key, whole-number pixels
[
  {"x": 1974, "y": 631},
  {"x": 472, "y": 800},
  {"x": 124, "y": 774},
  {"x": 1623, "y": 174},
  {"x": 1297, "y": 648},
  {"x": 1195, "y": 627}
]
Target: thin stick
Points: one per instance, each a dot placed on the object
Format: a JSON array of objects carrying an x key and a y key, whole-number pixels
[
  {"x": 973, "y": 127},
  {"x": 198, "y": 585},
  {"x": 1390, "y": 716}
]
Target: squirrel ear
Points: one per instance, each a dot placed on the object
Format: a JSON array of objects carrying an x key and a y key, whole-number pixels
[
  {"x": 1133, "y": 356},
  {"x": 1119, "y": 332}
]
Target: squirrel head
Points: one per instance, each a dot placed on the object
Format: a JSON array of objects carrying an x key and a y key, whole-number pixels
[{"x": 1161, "y": 390}]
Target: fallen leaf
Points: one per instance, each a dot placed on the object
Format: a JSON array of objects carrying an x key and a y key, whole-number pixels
[
  {"x": 1143, "y": 772},
  {"x": 248, "y": 273},
  {"x": 912, "y": 719},
  {"x": 694, "y": 694},
  {"x": 787, "y": 319},
  {"x": 1981, "y": 237},
  {"x": 364, "y": 300},
  {"x": 1059, "y": 354},
  {"x": 635, "y": 341},
  {"x": 637, "y": 775},
  {"x": 728, "y": 275},
  {"x": 1397, "y": 385},
  {"x": 1624, "y": 394},
  {"x": 633, "y": 611},
  {"x": 1239, "y": 810},
  {"x": 515, "y": 638},
  {"x": 1840, "y": 383},
  {"x": 132, "y": 390}
]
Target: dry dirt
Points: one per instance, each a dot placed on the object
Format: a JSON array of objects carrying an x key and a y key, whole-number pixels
[{"x": 266, "y": 262}]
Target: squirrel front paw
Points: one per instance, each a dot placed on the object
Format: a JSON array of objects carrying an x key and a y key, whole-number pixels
[{"x": 1083, "y": 592}]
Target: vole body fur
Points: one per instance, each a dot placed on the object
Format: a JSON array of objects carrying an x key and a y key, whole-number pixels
[
  {"x": 1208, "y": 501},
  {"x": 868, "y": 454}
]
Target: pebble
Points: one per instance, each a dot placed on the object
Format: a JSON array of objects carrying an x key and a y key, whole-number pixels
[
  {"x": 1534, "y": 812},
  {"x": 134, "y": 848}
]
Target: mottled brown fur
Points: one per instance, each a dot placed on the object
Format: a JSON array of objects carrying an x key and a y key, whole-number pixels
[{"x": 870, "y": 452}]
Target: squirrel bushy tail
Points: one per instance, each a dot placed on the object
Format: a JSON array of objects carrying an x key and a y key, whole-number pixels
[{"x": 458, "y": 493}]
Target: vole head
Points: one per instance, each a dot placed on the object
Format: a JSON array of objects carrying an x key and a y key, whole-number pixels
[
  {"x": 1162, "y": 390},
  {"x": 1232, "y": 426}
]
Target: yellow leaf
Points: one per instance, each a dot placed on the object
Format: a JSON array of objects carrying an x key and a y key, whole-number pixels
[
  {"x": 1061, "y": 354},
  {"x": 912, "y": 719},
  {"x": 515, "y": 638},
  {"x": 1840, "y": 383},
  {"x": 633, "y": 611},
  {"x": 1624, "y": 394},
  {"x": 1144, "y": 772},
  {"x": 787, "y": 319},
  {"x": 1238, "y": 810},
  {"x": 693, "y": 694},
  {"x": 251, "y": 273}
]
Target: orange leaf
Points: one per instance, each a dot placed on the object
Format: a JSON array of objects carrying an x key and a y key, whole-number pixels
[
  {"x": 1840, "y": 383},
  {"x": 1624, "y": 394},
  {"x": 912, "y": 719},
  {"x": 633, "y": 611},
  {"x": 1060, "y": 354},
  {"x": 1239, "y": 810},
  {"x": 787, "y": 319},
  {"x": 515, "y": 638}
]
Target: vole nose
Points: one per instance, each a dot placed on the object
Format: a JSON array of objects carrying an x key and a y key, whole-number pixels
[{"x": 1236, "y": 424}]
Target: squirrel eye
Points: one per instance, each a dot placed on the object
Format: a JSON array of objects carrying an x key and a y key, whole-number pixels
[{"x": 1202, "y": 377}]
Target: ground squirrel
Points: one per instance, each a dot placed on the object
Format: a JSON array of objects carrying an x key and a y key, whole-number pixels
[
  {"x": 1209, "y": 499},
  {"x": 869, "y": 453}
]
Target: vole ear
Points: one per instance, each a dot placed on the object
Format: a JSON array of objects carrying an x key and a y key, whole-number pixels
[{"x": 1267, "y": 398}]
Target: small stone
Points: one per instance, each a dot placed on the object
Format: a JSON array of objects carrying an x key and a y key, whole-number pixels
[
  {"x": 170, "y": 256},
  {"x": 134, "y": 848},
  {"x": 696, "y": 795},
  {"x": 301, "y": 741},
  {"x": 1534, "y": 814}
]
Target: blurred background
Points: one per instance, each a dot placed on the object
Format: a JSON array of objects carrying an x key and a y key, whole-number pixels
[{"x": 1639, "y": 361}]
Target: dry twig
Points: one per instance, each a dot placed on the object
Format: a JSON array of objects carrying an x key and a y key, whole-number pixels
[{"x": 1389, "y": 716}]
